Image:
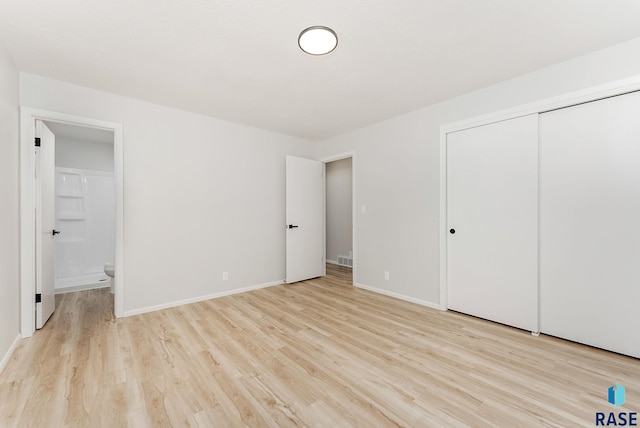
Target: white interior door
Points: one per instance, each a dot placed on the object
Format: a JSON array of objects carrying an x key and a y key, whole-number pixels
[
  {"x": 305, "y": 216},
  {"x": 45, "y": 224},
  {"x": 492, "y": 217},
  {"x": 590, "y": 228}
]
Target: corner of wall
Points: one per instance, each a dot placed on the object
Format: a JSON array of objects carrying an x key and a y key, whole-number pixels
[{"x": 7, "y": 356}]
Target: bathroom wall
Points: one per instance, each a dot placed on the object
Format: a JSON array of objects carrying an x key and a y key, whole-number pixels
[
  {"x": 339, "y": 207},
  {"x": 9, "y": 213},
  {"x": 84, "y": 154}
]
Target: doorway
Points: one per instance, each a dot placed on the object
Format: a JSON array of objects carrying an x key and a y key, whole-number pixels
[
  {"x": 306, "y": 255},
  {"x": 29, "y": 201},
  {"x": 84, "y": 206},
  {"x": 340, "y": 214}
]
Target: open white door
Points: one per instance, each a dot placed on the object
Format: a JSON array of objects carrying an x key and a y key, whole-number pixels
[
  {"x": 45, "y": 224},
  {"x": 305, "y": 215}
]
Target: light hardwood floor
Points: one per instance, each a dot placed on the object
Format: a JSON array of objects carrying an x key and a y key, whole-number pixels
[{"x": 319, "y": 353}]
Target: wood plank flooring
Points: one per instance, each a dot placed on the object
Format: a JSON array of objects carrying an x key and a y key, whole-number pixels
[{"x": 320, "y": 353}]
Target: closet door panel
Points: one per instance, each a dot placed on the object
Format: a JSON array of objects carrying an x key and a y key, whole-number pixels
[
  {"x": 492, "y": 204},
  {"x": 590, "y": 223}
]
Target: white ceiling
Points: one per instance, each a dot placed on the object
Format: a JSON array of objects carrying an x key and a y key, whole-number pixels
[
  {"x": 239, "y": 59},
  {"x": 80, "y": 133}
]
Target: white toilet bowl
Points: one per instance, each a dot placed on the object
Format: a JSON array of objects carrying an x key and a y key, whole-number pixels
[{"x": 110, "y": 270}]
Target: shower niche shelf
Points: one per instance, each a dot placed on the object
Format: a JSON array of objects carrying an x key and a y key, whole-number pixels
[{"x": 71, "y": 217}]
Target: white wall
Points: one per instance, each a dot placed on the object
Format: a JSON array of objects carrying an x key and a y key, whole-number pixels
[
  {"x": 398, "y": 168},
  {"x": 9, "y": 211},
  {"x": 339, "y": 200},
  {"x": 204, "y": 196},
  {"x": 84, "y": 154},
  {"x": 201, "y": 195}
]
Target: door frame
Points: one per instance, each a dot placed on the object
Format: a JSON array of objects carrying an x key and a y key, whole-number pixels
[
  {"x": 594, "y": 93},
  {"x": 28, "y": 203},
  {"x": 333, "y": 158}
]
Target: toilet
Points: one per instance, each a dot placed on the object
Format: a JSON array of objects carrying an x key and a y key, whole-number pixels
[{"x": 110, "y": 271}]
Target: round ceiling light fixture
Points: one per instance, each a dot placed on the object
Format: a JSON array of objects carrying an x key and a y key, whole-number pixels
[{"x": 318, "y": 40}]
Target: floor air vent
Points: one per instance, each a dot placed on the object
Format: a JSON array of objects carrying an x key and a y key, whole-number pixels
[{"x": 345, "y": 261}]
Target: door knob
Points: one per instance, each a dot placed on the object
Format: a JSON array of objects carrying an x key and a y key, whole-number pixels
[
  {"x": 55, "y": 232},
  {"x": 452, "y": 231},
  {"x": 291, "y": 226}
]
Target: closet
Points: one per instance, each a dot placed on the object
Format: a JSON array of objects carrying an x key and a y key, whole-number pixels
[
  {"x": 590, "y": 223},
  {"x": 542, "y": 218},
  {"x": 492, "y": 196}
]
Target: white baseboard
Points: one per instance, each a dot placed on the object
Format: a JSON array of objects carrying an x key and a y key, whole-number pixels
[
  {"x": 75, "y": 288},
  {"x": 331, "y": 262},
  {"x": 199, "y": 299},
  {"x": 401, "y": 297},
  {"x": 7, "y": 356}
]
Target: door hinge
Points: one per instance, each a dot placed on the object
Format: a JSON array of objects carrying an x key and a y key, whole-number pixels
[
  {"x": 37, "y": 141},
  {"x": 38, "y": 298}
]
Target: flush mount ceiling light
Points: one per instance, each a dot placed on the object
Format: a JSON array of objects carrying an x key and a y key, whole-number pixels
[{"x": 318, "y": 40}]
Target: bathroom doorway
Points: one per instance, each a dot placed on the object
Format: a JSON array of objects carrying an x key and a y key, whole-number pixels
[
  {"x": 83, "y": 216},
  {"x": 84, "y": 206}
]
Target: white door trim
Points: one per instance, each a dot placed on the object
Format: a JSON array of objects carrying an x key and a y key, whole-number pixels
[
  {"x": 28, "y": 116},
  {"x": 337, "y": 157},
  {"x": 578, "y": 97}
]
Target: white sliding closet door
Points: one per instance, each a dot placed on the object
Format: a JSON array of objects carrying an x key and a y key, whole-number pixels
[
  {"x": 590, "y": 223},
  {"x": 492, "y": 204}
]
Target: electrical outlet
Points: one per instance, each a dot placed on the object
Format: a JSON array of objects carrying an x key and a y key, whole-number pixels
[
  {"x": 386, "y": 275},
  {"x": 225, "y": 276}
]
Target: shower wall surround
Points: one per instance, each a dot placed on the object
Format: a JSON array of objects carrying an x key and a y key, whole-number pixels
[{"x": 85, "y": 215}]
